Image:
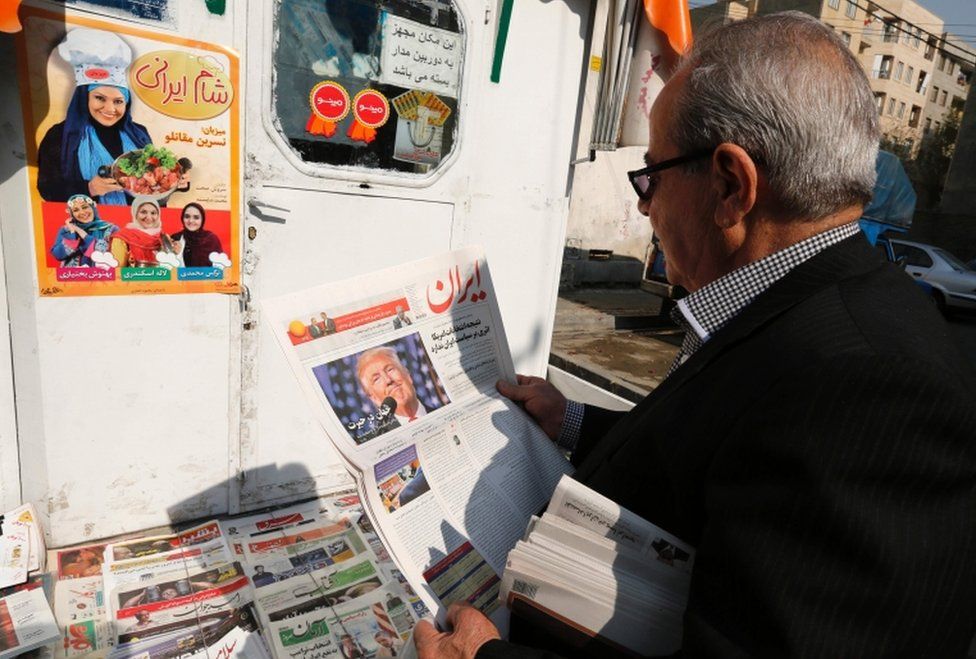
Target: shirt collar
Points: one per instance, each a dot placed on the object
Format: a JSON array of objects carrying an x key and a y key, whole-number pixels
[{"x": 709, "y": 308}]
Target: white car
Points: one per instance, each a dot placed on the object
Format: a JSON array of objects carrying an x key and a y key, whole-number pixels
[{"x": 953, "y": 283}]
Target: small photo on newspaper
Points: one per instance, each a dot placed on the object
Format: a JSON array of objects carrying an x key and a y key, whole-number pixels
[
  {"x": 400, "y": 479},
  {"x": 377, "y": 390}
]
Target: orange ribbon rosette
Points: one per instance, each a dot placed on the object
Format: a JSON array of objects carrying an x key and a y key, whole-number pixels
[
  {"x": 330, "y": 104},
  {"x": 371, "y": 110}
]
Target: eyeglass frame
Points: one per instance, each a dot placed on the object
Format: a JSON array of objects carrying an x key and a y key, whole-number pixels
[{"x": 666, "y": 164}]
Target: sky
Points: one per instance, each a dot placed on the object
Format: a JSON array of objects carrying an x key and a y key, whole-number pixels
[{"x": 960, "y": 15}]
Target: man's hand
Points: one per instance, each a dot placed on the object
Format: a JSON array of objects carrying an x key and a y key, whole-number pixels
[
  {"x": 540, "y": 399},
  {"x": 471, "y": 630}
]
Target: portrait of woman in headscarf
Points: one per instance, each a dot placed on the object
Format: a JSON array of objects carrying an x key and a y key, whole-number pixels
[
  {"x": 198, "y": 243},
  {"x": 83, "y": 233},
  {"x": 98, "y": 125},
  {"x": 135, "y": 245}
]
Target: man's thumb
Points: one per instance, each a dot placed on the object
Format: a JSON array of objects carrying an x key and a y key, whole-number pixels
[
  {"x": 424, "y": 633},
  {"x": 511, "y": 390}
]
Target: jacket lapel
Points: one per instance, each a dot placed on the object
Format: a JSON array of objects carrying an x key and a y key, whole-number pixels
[{"x": 850, "y": 257}]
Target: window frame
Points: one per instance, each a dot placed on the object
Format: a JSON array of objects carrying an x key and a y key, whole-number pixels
[{"x": 347, "y": 173}]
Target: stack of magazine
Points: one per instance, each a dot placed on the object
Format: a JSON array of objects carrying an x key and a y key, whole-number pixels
[{"x": 596, "y": 577}]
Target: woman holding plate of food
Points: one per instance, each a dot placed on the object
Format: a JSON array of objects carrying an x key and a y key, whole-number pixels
[{"x": 76, "y": 155}]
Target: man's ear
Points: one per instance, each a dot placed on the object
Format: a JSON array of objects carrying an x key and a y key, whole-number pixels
[{"x": 735, "y": 180}]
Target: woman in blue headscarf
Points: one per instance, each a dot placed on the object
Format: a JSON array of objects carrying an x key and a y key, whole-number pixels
[
  {"x": 98, "y": 126},
  {"x": 83, "y": 233}
]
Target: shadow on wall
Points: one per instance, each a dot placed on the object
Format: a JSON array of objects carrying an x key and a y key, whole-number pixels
[{"x": 12, "y": 136}]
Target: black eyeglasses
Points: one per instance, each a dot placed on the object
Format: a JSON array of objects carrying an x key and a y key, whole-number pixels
[{"x": 643, "y": 181}]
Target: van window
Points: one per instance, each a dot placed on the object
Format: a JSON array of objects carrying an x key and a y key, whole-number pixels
[{"x": 368, "y": 84}]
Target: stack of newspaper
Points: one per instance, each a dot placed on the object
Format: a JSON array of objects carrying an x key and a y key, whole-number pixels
[
  {"x": 178, "y": 594},
  {"x": 400, "y": 368},
  {"x": 26, "y": 620},
  {"x": 324, "y": 584},
  {"x": 597, "y": 576},
  {"x": 22, "y": 551}
]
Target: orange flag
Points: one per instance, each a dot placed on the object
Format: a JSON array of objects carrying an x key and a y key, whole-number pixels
[
  {"x": 672, "y": 18},
  {"x": 8, "y": 16}
]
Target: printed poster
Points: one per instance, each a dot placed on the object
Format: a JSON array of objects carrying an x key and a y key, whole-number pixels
[{"x": 133, "y": 149}]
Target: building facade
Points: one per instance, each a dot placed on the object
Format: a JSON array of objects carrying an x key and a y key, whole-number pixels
[{"x": 920, "y": 74}]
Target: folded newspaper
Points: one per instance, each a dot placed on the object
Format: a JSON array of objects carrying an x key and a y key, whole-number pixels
[
  {"x": 598, "y": 578},
  {"x": 400, "y": 368}
]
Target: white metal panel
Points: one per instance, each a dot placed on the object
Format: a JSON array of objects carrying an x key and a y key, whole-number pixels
[
  {"x": 323, "y": 237},
  {"x": 121, "y": 401},
  {"x": 9, "y": 461}
]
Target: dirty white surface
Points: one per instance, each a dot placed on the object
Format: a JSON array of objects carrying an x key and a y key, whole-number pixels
[{"x": 134, "y": 412}]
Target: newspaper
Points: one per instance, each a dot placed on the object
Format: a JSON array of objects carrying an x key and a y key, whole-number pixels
[
  {"x": 400, "y": 368},
  {"x": 310, "y": 565},
  {"x": 602, "y": 577},
  {"x": 26, "y": 622},
  {"x": 22, "y": 551}
]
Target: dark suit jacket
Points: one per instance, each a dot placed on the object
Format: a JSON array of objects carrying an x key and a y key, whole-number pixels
[{"x": 820, "y": 453}]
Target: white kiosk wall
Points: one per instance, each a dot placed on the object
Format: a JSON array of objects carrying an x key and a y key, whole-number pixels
[{"x": 133, "y": 411}]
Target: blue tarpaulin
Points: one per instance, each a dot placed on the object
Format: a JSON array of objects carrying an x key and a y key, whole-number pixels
[{"x": 893, "y": 204}]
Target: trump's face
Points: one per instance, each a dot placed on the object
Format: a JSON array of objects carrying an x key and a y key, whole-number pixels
[{"x": 382, "y": 376}]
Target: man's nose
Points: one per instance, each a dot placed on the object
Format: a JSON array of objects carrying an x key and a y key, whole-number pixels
[{"x": 644, "y": 207}]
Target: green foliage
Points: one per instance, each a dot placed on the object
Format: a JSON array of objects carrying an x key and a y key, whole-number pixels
[{"x": 931, "y": 163}]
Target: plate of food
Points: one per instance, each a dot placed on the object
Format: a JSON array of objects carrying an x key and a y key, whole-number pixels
[{"x": 152, "y": 171}]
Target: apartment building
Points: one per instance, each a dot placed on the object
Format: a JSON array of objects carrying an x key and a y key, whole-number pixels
[
  {"x": 952, "y": 75},
  {"x": 916, "y": 69}
]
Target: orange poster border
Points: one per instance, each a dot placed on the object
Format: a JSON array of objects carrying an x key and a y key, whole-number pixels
[{"x": 48, "y": 286}]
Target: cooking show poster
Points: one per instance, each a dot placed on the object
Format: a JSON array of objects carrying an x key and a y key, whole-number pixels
[{"x": 133, "y": 144}]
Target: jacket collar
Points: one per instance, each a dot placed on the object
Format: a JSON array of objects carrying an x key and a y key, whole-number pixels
[{"x": 849, "y": 258}]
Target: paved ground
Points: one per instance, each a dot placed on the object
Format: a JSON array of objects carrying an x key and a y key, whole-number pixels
[
  {"x": 618, "y": 339},
  {"x": 614, "y": 338}
]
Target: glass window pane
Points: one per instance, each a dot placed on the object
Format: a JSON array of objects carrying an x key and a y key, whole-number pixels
[{"x": 368, "y": 84}]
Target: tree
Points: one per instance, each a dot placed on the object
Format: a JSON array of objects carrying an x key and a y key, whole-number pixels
[{"x": 931, "y": 163}]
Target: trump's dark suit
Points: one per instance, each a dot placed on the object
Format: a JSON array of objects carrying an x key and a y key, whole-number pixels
[{"x": 820, "y": 453}]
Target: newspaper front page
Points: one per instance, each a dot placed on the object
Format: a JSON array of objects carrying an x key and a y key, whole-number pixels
[{"x": 400, "y": 368}]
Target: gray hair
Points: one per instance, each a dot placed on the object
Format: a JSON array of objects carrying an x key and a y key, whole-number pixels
[{"x": 786, "y": 89}]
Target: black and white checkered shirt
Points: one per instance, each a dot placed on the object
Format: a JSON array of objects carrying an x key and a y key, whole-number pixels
[{"x": 711, "y": 307}]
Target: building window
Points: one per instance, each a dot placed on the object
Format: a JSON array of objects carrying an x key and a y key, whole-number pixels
[
  {"x": 882, "y": 66},
  {"x": 928, "y": 124},
  {"x": 368, "y": 85},
  {"x": 942, "y": 62},
  {"x": 910, "y": 75},
  {"x": 846, "y": 38},
  {"x": 935, "y": 94},
  {"x": 938, "y": 125},
  {"x": 901, "y": 109},
  {"x": 890, "y": 32},
  {"x": 922, "y": 82},
  {"x": 898, "y": 69},
  {"x": 891, "y": 106},
  {"x": 943, "y": 98},
  {"x": 917, "y": 38},
  {"x": 834, "y": 4},
  {"x": 914, "y": 116},
  {"x": 951, "y": 67},
  {"x": 850, "y": 10},
  {"x": 930, "y": 48},
  {"x": 879, "y": 99}
]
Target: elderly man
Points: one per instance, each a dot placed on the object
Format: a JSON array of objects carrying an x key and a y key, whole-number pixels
[
  {"x": 382, "y": 375},
  {"x": 815, "y": 437}
]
